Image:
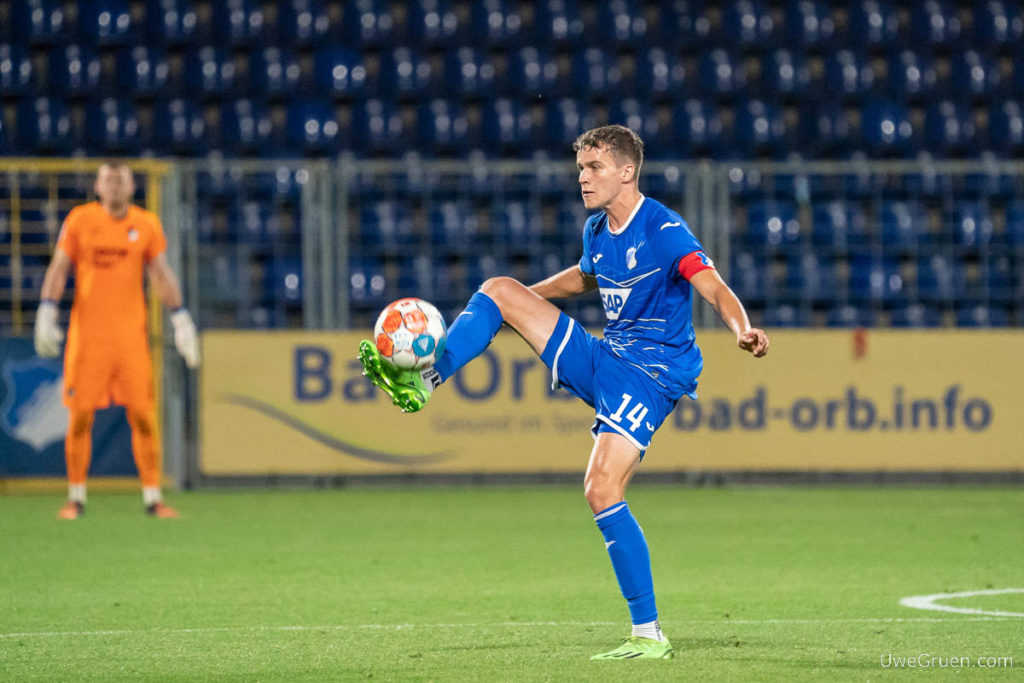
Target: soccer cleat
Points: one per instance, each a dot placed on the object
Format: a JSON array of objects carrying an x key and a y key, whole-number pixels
[
  {"x": 406, "y": 388},
  {"x": 635, "y": 647},
  {"x": 161, "y": 511},
  {"x": 71, "y": 510}
]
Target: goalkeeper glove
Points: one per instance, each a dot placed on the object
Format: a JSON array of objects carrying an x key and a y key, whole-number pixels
[
  {"x": 48, "y": 335},
  {"x": 185, "y": 338}
]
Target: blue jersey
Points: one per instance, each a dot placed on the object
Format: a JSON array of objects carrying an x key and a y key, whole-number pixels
[{"x": 648, "y": 303}]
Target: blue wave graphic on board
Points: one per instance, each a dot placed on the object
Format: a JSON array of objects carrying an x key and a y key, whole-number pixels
[{"x": 332, "y": 442}]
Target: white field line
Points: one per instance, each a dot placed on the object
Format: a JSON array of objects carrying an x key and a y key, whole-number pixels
[
  {"x": 930, "y": 602},
  {"x": 503, "y": 624}
]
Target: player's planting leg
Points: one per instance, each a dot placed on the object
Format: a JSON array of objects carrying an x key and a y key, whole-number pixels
[
  {"x": 146, "y": 451},
  {"x": 77, "y": 454}
]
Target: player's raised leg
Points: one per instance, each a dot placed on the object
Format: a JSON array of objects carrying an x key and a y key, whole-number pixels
[
  {"x": 501, "y": 300},
  {"x": 613, "y": 462}
]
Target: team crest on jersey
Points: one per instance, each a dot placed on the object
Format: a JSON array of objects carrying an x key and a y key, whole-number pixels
[
  {"x": 614, "y": 300},
  {"x": 133, "y": 234}
]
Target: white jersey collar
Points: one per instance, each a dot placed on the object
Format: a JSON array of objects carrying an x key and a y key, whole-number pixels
[{"x": 630, "y": 219}]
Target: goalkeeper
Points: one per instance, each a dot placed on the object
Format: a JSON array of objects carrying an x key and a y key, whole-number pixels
[{"x": 110, "y": 243}]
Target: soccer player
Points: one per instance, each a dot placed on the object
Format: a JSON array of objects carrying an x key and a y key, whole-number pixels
[
  {"x": 645, "y": 262},
  {"x": 110, "y": 242}
]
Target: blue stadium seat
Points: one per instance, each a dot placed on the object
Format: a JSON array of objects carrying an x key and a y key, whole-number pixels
[
  {"x": 596, "y": 74},
  {"x": 1015, "y": 223},
  {"x": 482, "y": 267},
  {"x": 850, "y": 316},
  {"x": 368, "y": 24},
  {"x": 786, "y": 74},
  {"x": 759, "y": 128},
  {"x": 772, "y": 224},
  {"x": 496, "y": 23},
  {"x": 558, "y": 23},
  {"x": 245, "y": 128},
  {"x": 367, "y": 283},
  {"x": 453, "y": 228},
  {"x": 656, "y": 131},
  {"x": 875, "y": 279},
  {"x": 903, "y": 226},
  {"x": 179, "y": 128},
  {"x": 443, "y": 128},
  {"x": 686, "y": 22},
  {"x": 811, "y": 277},
  {"x": 1006, "y": 129},
  {"x": 826, "y": 130},
  {"x": 839, "y": 225},
  {"x": 40, "y": 22},
  {"x": 785, "y": 315},
  {"x": 239, "y": 23},
  {"x": 469, "y": 73},
  {"x": 934, "y": 23},
  {"x": 432, "y": 23},
  {"x": 174, "y": 22},
  {"x": 974, "y": 75},
  {"x": 747, "y": 23},
  {"x": 312, "y": 128},
  {"x": 386, "y": 226},
  {"x": 210, "y": 72},
  {"x": 849, "y": 73},
  {"x": 998, "y": 23},
  {"x": 301, "y": 23},
  {"x": 517, "y": 226},
  {"x": 698, "y": 124},
  {"x": 407, "y": 74},
  {"x": 571, "y": 217},
  {"x": 915, "y": 315},
  {"x": 532, "y": 73},
  {"x": 106, "y": 22},
  {"x": 44, "y": 126},
  {"x": 283, "y": 281},
  {"x": 720, "y": 74},
  {"x": 949, "y": 130},
  {"x": 972, "y": 224},
  {"x": 112, "y": 127},
  {"x": 940, "y": 279},
  {"x": 377, "y": 127},
  {"x": 661, "y": 74},
  {"x": 873, "y": 23},
  {"x": 622, "y": 23},
  {"x": 809, "y": 24},
  {"x": 7, "y": 146},
  {"x": 16, "y": 71},
  {"x": 981, "y": 316},
  {"x": 339, "y": 72},
  {"x": 274, "y": 72},
  {"x": 912, "y": 75},
  {"x": 506, "y": 126},
  {"x": 748, "y": 277},
  {"x": 1002, "y": 282},
  {"x": 143, "y": 71},
  {"x": 886, "y": 129},
  {"x": 75, "y": 70}
]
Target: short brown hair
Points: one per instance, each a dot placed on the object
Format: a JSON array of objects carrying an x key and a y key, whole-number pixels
[{"x": 621, "y": 141}]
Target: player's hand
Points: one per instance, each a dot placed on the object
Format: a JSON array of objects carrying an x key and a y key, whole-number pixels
[
  {"x": 753, "y": 340},
  {"x": 48, "y": 335},
  {"x": 185, "y": 338}
]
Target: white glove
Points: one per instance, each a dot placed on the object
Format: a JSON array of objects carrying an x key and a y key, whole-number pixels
[
  {"x": 48, "y": 333},
  {"x": 185, "y": 338}
]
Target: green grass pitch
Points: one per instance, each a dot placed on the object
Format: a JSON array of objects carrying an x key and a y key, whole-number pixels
[{"x": 507, "y": 584}]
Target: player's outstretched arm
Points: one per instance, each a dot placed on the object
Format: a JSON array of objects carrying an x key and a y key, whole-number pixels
[
  {"x": 186, "y": 340},
  {"x": 569, "y": 282},
  {"x": 713, "y": 288}
]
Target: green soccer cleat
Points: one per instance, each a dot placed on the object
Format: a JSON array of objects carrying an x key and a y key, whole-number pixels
[
  {"x": 407, "y": 388},
  {"x": 635, "y": 647}
]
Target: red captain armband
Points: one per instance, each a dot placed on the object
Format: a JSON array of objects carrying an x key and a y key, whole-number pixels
[{"x": 693, "y": 263}]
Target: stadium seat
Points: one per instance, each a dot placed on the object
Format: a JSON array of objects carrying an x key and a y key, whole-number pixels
[
  {"x": 312, "y": 127},
  {"x": 367, "y": 284},
  {"x": 274, "y": 73},
  {"x": 443, "y": 128},
  {"x": 8, "y": 146},
  {"x": 496, "y": 23},
  {"x": 686, "y": 22},
  {"x": 339, "y": 72},
  {"x": 106, "y": 22},
  {"x": 532, "y": 73},
  {"x": 850, "y": 316},
  {"x": 16, "y": 71},
  {"x": 998, "y": 23},
  {"x": 407, "y": 75},
  {"x": 849, "y": 73},
  {"x": 873, "y": 23},
  {"x": 112, "y": 127},
  {"x": 210, "y": 72},
  {"x": 75, "y": 71},
  {"x": 748, "y": 277},
  {"x": 517, "y": 226},
  {"x": 772, "y": 224},
  {"x": 981, "y": 316},
  {"x": 810, "y": 277},
  {"x": 1002, "y": 282},
  {"x": 698, "y": 124},
  {"x": 283, "y": 283},
  {"x": 934, "y": 24},
  {"x": 903, "y": 225},
  {"x": 643, "y": 118},
  {"x": 748, "y": 24},
  {"x": 838, "y": 225},
  {"x": 940, "y": 279},
  {"x": 174, "y": 22},
  {"x": 368, "y": 24},
  {"x": 826, "y": 130},
  {"x": 143, "y": 71},
  {"x": 386, "y": 226},
  {"x": 915, "y": 315},
  {"x": 912, "y": 75},
  {"x": 179, "y": 128},
  {"x": 558, "y": 23},
  {"x": 809, "y": 24},
  {"x": 506, "y": 126},
  {"x": 1006, "y": 129},
  {"x": 432, "y": 24},
  {"x": 759, "y": 128},
  {"x": 238, "y": 23},
  {"x": 875, "y": 279},
  {"x": 786, "y": 74},
  {"x": 887, "y": 130},
  {"x": 1015, "y": 223},
  {"x": 621, "y": 23},
  {"x": 453, "y": 228},
  {"x": 972, "y": 224},
  {"x": 661, "y": 74},
  {"x": 245, "y": 128},
  {"x": 785, "y": 315},
  {"x": 302, "y": 23},
  {"x": 949, "y": 130},
  {"x": 40, "y": 22},
  {"x": 720, "y": 74},
  {"x": 596, "y": 74},
  {"x": 974, "y": 75},
  {"x": 469, "y": 74},
  {"x": 44, "y": 126}
]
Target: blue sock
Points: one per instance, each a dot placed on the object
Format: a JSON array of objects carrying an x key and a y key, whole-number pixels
[
  {"x": 470, "y": 334},
  {"x": 630, "y": 559}
]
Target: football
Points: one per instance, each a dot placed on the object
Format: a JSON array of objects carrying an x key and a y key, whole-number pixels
[{"x": 410, "y": 334}]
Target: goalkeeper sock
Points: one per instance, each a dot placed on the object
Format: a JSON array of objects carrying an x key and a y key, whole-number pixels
[
  {"x": 470, "y": 334},
  {"x": 631, "y": 560}
]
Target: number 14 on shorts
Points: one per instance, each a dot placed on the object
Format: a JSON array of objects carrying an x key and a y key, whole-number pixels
[{"x": 635, "y": 416}]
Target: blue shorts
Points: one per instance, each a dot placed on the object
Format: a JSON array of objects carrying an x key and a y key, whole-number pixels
[{"x": 626, "y": 400}]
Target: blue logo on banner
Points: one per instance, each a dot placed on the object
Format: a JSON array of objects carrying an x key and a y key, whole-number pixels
[{"x": 33, "y": 411}]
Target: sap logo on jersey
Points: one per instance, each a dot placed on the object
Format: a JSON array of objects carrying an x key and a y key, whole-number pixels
[{"x": 614, "y": 300}]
